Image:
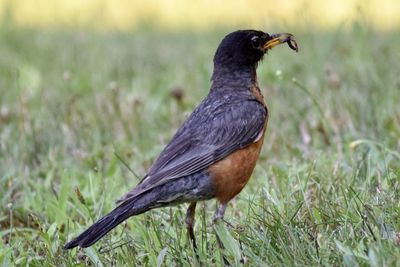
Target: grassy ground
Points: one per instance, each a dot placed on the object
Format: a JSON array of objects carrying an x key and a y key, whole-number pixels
[{"x": 75, "y": 105}]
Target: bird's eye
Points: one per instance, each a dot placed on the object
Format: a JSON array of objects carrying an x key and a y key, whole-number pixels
[{"x": 255, "y": 41}]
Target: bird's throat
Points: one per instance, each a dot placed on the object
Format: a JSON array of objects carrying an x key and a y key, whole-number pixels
[{"x": 229, "y": 77}]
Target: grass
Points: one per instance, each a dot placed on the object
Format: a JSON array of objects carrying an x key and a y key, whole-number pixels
[{"x": 76, "y": 104}]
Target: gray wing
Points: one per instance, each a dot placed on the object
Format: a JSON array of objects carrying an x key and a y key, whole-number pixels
[{"x": 218, "y": 126}]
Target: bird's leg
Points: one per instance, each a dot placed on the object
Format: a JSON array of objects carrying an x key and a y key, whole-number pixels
[
  {"x": 219, "y": 216},
  {"x": 219, "y": 213},
  {"x": 190, "y": 223}
]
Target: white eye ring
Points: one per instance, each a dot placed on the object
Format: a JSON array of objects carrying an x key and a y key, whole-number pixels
[{"x": 255, "y": 40}]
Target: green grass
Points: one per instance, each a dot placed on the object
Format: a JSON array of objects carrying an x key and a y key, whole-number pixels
[{"x": 326, "y": 190}]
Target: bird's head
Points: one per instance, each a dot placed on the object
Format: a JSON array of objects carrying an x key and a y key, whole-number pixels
[{"x": 245, "y": 48}]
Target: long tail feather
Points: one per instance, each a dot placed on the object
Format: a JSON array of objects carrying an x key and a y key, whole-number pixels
[{"x": 105, "y": 224}]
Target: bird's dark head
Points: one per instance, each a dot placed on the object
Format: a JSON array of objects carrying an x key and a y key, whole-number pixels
[{"x": 245, "y": 48}]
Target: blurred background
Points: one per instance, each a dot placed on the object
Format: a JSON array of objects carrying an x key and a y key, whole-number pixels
[
  {"x": 196, "y": 15},
  {"x": 90, "y": 86}
]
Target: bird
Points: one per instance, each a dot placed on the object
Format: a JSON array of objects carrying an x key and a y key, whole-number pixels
[{"x": 213, "y": 154}]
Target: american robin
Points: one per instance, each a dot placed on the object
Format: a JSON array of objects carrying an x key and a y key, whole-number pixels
[{"x": 213, "y": 154}]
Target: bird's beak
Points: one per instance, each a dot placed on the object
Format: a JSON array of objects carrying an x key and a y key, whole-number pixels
[{"x": 280, "y": 38}]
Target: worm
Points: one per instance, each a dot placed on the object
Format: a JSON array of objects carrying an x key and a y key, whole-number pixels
[{"x": 292, "y": 44}]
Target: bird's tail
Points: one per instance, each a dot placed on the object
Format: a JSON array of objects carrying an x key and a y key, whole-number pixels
[{"x": 106, "y": 224}]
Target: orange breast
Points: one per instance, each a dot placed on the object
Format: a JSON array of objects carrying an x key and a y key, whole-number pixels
[
  {"x": 231, "y": 174},
  {"x": 255, "y": 90}
]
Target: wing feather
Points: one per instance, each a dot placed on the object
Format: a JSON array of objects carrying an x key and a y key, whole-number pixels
[{"x": 213, "y": 131}]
